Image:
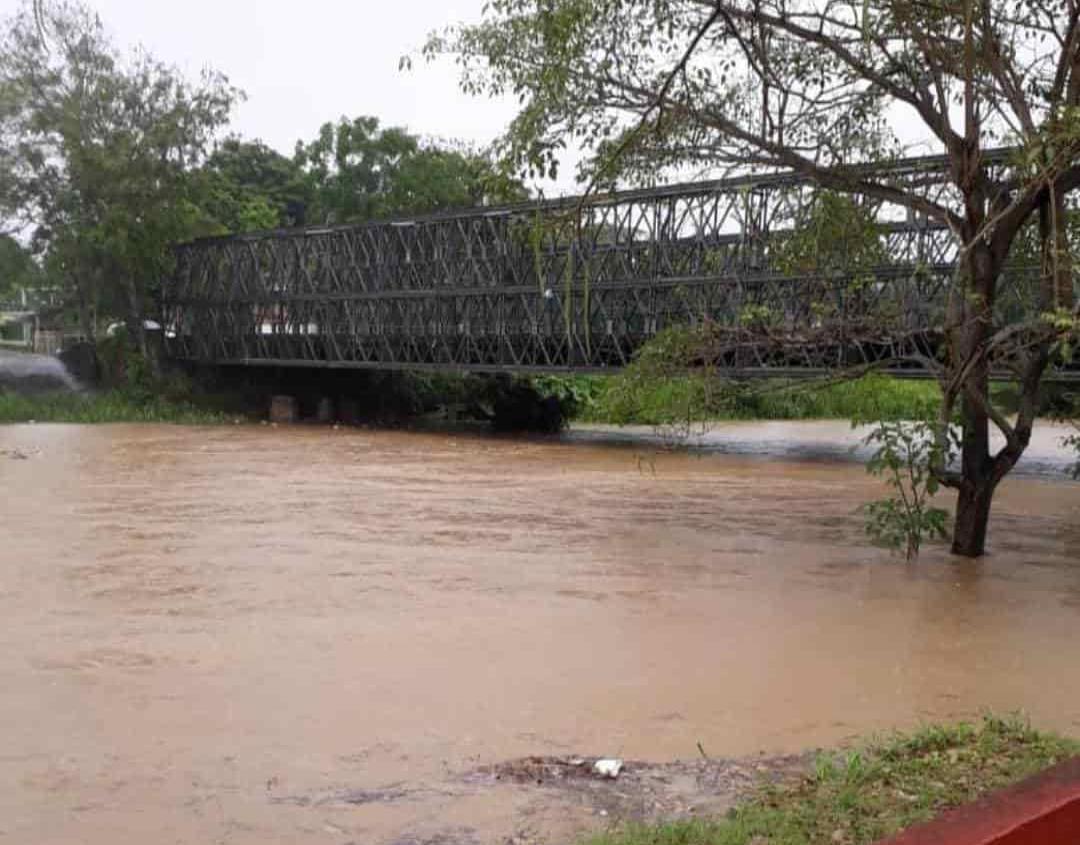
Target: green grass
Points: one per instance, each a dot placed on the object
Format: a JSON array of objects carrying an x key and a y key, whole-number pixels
[
  {"x": 631, "y": 399},
  {"x": 873, "y": 791},
  {"x": 107, "y": 407}
]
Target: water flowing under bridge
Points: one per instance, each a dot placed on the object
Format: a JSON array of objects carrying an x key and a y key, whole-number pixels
[{"x": 572, "y": 285}]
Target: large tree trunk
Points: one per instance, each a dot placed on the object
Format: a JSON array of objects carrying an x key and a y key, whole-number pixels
[
  {"x": 137, "y": 324},
  {"x": 977, "y": 470},
  {"x": 972, "y": 518},
  {"x": 86, "y": 316},
  {"x": 978, "y": 478}
]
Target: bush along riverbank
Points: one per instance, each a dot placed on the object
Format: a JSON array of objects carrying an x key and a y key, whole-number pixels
[
  {"x": 125, "y": 388},
  {"x": 120, "y": 385},
  {"x": 631, "y": 398},
  {"x": 398, "y": 398},
  {"x": 109, "y": 407},
  {"x": 859, "y": 796},
  {"x": 112, "y": 384}
]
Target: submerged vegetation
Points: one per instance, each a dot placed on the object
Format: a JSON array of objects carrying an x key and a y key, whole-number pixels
[
  {"x": 874, "y": 790},
  {"x": 905, "y": 455}
]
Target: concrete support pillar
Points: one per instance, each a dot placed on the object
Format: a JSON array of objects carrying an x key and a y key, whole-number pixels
[
  {"x": 324, "y": 411},
  {"x": 284, "y": 409},
  {"x": 348, "y": 410}
]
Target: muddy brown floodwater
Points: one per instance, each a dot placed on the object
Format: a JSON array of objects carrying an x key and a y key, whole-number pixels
[{"x": 257, "y": 635}]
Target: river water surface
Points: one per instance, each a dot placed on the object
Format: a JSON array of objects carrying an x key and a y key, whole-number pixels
[{"x": 256, "y": 634}]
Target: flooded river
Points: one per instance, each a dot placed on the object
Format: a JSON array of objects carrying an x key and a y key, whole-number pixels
[{"x": 259, "y": 635}]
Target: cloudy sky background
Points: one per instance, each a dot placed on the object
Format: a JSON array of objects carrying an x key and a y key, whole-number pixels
[{"x": 305, "y": 62}]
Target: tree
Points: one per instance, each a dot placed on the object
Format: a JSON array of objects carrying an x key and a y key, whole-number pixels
[
  {"x": 904, "y": 457},
  {"x": 249, "y": 186},
  {"x": 101, "y": 149},
  {"x": 357, "y": 171},
  {"x": 817, "y": 86},
  {"x": 17, "y": 267}
]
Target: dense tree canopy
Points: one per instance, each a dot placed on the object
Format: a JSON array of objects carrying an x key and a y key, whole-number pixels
[
  {"x": 355, "y": 170},
  {"x": 100, "y": 147},
  {"x": 17, "y": 267},
  {"x": 816, "y": 86},
  {"x": 249, "y": 186}
]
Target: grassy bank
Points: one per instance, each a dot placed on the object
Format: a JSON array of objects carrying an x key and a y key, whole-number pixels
[
  {"x": 631, "y": 399},
  {"x": 873, "y": 791},
  {"x": 106, "y": 407}
]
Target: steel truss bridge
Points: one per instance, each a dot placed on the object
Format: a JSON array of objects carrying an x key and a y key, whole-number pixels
[{"x": 570, "y": 285}]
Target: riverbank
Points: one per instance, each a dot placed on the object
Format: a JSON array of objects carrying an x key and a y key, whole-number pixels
[
  {"x": 105, "y": 407},
  {"x": 630, "y": 399},
  {"x": 34, "y": 387},
  {"x": 110, "y": 386},
  {"x": 589, "y": 399},
  {"x": 871, "y": 790}
]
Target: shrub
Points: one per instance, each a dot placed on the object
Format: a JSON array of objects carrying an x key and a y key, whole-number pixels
[{"x": 905, "y": 457}]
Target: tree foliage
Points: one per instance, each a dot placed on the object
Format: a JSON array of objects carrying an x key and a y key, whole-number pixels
[
  {"x": 832, "y": 235},
  {"x": 248, "y": 186},
  {"x": 353, "y": 171},
  {"x": 819, "y": 87},
  {"x": 905, "y": 454},
  {"x": 356, "y": 170},
  {"x": 100, "y": 148},
  {"x": 17, "y": 267}
]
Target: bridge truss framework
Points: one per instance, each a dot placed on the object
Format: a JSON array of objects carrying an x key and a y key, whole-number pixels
[{"x": 566, "y": 285}]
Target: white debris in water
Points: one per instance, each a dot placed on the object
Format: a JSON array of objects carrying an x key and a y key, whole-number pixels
[{"x": 609, "y": 768}]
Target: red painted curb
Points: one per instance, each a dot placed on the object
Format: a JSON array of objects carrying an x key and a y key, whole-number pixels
[{"x": 1042, "y": 810}]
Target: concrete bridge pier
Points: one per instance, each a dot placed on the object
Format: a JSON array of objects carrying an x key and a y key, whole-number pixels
[
  {"x": 287, "y": 409},
  {"x": 284, "y": 409}
]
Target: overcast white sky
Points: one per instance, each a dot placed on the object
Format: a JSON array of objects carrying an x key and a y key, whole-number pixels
[{"x": 304, "y": 62}]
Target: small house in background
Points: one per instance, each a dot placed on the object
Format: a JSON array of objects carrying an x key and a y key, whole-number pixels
[
  {"x": 16, "y": 330},
  {"x": 17, "y": 320},
  {"x": 35, "y": 320}
]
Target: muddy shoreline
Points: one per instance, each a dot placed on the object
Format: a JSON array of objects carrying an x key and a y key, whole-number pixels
[{"x": 559, "y": 799}]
